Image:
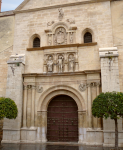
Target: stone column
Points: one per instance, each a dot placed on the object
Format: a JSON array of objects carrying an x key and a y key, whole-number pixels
[
  {"x": 25, "y": 107},
  {"x": 66, "y": 63},
  {"x": 14, "y": 90},
  {"x": 39, "y": 124},
  {"x": 98, "y": 119},
  {"x": 55, "y": 63},
  {"x": 76, "y": 63},
  {"x": 44, "y": 126},
  {"x": 89, "y": 106},
  {"x": 33, "y": 107},
  {"x": 110, "y": 83}
]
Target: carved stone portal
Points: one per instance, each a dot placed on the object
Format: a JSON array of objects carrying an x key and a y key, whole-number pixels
[{"x": 60, "y": 36}]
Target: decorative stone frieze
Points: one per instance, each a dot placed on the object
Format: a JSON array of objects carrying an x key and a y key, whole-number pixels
[{"x": 61, "y": 62}]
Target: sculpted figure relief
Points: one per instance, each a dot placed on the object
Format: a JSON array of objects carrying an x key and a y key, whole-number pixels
[
  {"x": 60, "y": 63},
  {"x": 50, "y": 64},
  {"x": 61, "y": 14},
  {"x": 71, "y": 63}
]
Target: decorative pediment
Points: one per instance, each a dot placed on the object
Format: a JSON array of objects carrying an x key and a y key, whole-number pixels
[{"x": 60, "y": 33}]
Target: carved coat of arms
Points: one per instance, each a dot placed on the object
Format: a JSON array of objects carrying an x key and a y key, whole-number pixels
[{"x": 60, "y": 36}]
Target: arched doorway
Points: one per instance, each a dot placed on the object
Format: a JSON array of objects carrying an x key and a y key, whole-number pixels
[{"x": 62, "y": 119}]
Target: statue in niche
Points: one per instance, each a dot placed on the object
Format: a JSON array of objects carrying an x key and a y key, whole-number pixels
[
  {"x": 60, "y": 36},
  {"x": 71, "y": 61},
  {"x": 61, "y": 14},
  {"x": 50, "y": 64},
  {"x": 60, "y": 63}
]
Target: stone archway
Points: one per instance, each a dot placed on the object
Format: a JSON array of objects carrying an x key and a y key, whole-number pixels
[{"x": 44, "y": 101}]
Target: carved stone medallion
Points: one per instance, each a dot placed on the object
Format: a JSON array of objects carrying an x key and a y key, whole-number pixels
[
  {"x": 82, "y": 87},
  {"x": 60, "y": 36},
  {"x": 39, "y": 89}
]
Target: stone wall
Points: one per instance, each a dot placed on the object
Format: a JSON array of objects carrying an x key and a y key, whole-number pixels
[
  {"x": 6, "y": 46},
  {"x": 95, "y": 16},
  {"x": 117, "y": 24}
]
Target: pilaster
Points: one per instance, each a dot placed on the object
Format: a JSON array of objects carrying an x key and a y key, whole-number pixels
[{"x": 14, "y": 90}]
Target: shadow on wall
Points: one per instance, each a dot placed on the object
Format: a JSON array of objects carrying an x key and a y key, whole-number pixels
[{"x": 70, "y": 146}]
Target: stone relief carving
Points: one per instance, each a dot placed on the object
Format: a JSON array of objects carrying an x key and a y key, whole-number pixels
[
  {"x": 71, "y": 21},
  {"x": 60, "y": 36},
  {"x": 50, "y": 64},
  {"x": 50, "y": 23},
  {"x": 39, "y": 89},
  {"x": 82, "y": 87},
  {"x": 61, "y": 14},
  {"x": 71, "y": 63},
  {"x": 60, "y": 63},
  {"x": 49, "y": 39},
  {"x": 71, "y": 37},
  {"x": 13, "y": 70}
]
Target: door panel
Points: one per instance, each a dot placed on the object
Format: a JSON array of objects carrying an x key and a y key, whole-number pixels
[{"x": 62, "y": 119}]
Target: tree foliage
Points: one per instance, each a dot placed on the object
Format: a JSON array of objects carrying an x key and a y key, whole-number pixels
[
  {"x": 108, "y": 105},
  {"x": 8, "y": 108}
]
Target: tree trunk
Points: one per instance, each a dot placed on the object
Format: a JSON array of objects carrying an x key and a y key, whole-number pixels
[{"x": 116, "y": 134}]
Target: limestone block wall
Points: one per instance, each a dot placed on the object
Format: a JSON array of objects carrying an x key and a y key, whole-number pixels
[
  {"x": 6, "y": 46},
  {"x": 6, "y": 30},
  {"x": 118, "y": 35},
  {"x": 95, "y": 16},
  {"x": 4, "y": 56}
]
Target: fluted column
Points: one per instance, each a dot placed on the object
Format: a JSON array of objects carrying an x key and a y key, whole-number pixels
[
  {"x": 25, "y": 107},
  {"x": 99, "y": 119},
  {"x": 89, "y": 106},
  {"x": 33, "y": 107}
]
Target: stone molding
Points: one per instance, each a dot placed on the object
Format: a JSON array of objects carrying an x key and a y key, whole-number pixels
[
  {"x": 62, "y": 46},
  {"x": 15, "y": 59},
  {"x": 63, "y": 74},
  {"x": 108, "y": 52},
  {"x": 17, "y": 10}
]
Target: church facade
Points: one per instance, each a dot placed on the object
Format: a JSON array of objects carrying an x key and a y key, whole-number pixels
[{"x": 56, "y": 57}]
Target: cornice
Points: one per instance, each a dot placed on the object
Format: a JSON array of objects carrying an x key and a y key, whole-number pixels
[
  {"x": 61, "y": 74},
  {"x": 17, "y": 11},
  {"x": 62, "y": 46}
]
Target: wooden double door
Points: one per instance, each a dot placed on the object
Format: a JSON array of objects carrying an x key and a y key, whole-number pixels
[{"x": 62, "y": 120}]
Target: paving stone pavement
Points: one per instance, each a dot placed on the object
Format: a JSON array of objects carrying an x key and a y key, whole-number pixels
[{"x": 50, "y": 147}]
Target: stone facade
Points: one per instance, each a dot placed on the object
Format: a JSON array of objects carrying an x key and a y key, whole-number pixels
[{"x": 63, "y": 64}]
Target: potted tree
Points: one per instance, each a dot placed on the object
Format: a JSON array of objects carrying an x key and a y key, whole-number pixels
[
  {"x": 109, "y": 105},
  {"x": 8, "y": 109}
]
